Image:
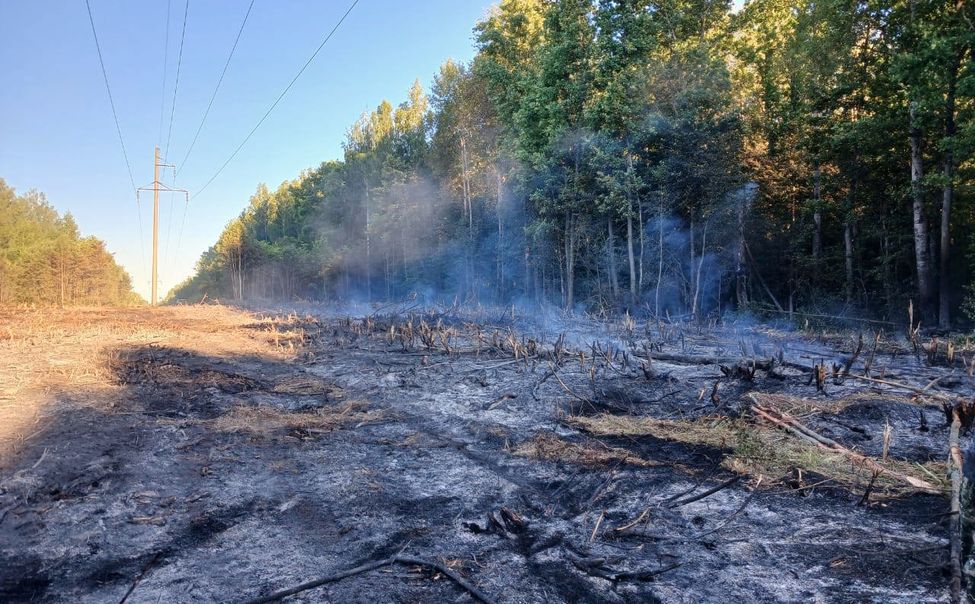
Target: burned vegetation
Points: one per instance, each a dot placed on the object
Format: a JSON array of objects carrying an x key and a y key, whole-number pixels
[{"x": 208, "y": 454}]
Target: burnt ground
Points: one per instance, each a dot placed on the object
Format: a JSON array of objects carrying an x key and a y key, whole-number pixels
[{"x": 216, "y": 458}]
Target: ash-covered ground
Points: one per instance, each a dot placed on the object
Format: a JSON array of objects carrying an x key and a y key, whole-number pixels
[{"x": 218, "y": 459}]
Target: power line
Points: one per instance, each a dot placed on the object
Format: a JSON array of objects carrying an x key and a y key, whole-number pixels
[
  {"x": 179, "y": 63},
  {"x": 206, "y": 113},
  {"x": 219, "y": 81},
  {"x": 278, "y": 100},
  {"x": 118, "y": 129},
  {"x": 162, "y": 99},
  {"x": 179, "y": 240},
  {"x": 111, "y": 99},
  {"x": 169, "y": 225}
]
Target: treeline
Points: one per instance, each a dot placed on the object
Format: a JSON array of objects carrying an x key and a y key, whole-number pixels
[
  {"x": 45, "y": 260},
  {"x": 665, "y": 155}
]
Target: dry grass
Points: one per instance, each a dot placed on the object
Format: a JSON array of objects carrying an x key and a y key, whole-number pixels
[
  {"x": 714, "y": 432},
  {"x": 265, "y": 421},
  {"x": 794, "y": 405},
  {"x": 757, "y": 450},
  {"x": 50, "y": 355},
  {"x": 301, "y": 385},
  {"x": 550, "y": 447}
]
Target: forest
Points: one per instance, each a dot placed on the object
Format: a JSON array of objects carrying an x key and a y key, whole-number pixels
[
  {"x": 45, "y": 260},
  {"x": 666, "y": 157}
]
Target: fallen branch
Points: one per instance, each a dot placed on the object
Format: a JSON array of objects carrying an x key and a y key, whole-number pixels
[
  {"x": 138, "y": 578},
  {"x": 708, "y": 493},
  {"x": 397, "y": 559},
  {"x": 595, "y": 566},
  {"x": 566, "y": 388},
  {"x": 766, "y": 365},
  {"x": 793, "y": 426},
  {"x": 954, "y": 522},
  {"x": 706, "y": 360},
  {"x": 923, "y": 391},
  {"x": 643, "y": 515},
  {"x": 728, "y": 520},
  {"x": 720, "y": 526},
  {"x": 539, "y": 383}
]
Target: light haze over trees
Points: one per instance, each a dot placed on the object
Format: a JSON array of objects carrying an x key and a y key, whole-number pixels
[{"x": 670, "y": 156}]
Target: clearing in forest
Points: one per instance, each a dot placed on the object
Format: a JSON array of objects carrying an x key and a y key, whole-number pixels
[{"x": 204, "y": 453}]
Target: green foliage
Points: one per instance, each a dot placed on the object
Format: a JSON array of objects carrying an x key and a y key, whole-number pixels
[
  {"x": 45, "y": 260},
  {"x": 594, "y": 148}
]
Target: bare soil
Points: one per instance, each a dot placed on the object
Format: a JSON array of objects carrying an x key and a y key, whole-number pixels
[{"x": 209, "y": 454}]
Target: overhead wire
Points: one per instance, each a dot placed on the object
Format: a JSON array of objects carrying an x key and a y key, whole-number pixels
[
  {"x": 162, "y": 97},
  {"x": 179, "y": 64},
  {"x": 169, "y": 135},
  {"x": 118, "y": 129},
  {"x": 169, "y": 223},
  {"x": 206, "y": 113},
  {"x": 217, "y": 88},
  {"x": 278, "y": 100}
]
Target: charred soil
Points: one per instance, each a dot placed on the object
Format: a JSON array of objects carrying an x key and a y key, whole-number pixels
[{"x": 211, "y": 454}]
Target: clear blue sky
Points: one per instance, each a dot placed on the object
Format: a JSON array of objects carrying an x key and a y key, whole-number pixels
[{"x": 57, "y": 134}]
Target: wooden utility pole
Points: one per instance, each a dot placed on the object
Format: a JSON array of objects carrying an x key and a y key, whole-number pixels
[
  {"x": 157, "y": 186},
  {"x": 155, "y": 226}
]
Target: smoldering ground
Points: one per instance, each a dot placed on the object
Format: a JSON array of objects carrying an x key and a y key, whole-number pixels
[{"x": 536, "y": 469}]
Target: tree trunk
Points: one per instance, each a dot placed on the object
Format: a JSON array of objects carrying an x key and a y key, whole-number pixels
[
  {"x": 61, "y": 263},
  {"x": 690, "y": 293},
  {"x": 500, "y": 250},
  {"x": 611, "y": 251},
  {"x": 368, "y": 251},
  {"x": 817, "y": 244},
  {"x": 629, "y": 230},
  {"x": 569, "y": 261},
  {"x": 921, "y": 257},
  {"x": 629, "y": 250},
  {"x": 660, "y": 259},
  {"x": 466, "y": 183},
  {"x": 639, "y": 204},
  {"x": 741, "y": 277},
  {"x": 848, "y": 241},
  {"x": 848, "y": 257},
  {"x": 947, "y": 196},
  {"x": 386, "y": 273},
  {"x": 700, "y": 269}
]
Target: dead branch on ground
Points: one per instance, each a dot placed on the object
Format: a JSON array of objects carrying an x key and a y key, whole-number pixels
[
  {"x": 954, "y": 524},
  {"x": 793, "y": 426},
  {"x": 397, "y": 559}
]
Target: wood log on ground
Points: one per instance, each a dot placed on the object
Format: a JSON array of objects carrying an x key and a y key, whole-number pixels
[
  {"x": 900, "y": 385},
  {"x": 397, "y": 559},
  {"x": 954, "y": 524},
  {"x": 966, "y": 518},
  {"x": 793, "y": 426},
  {"x": 689, "y": 359}
]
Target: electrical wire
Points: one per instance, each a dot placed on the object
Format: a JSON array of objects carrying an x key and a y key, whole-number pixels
[
  {"x": 219, "y": 82},
  {"x": 179, "y": 240},
  {"x": 169, "y": 224},
  {"x": 162, "y": 97},
  {"x": 278, "y": 100},
  {"x": 118, "y": 129},
  {"x": 179, "y": 64},
  {"x": 111, "y": 99},
  {"x": 233, "y": 49}
]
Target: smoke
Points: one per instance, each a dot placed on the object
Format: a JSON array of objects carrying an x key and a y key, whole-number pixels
[
  {"x": 690, "y": 267},
  {"x": 418, "y": 241}
]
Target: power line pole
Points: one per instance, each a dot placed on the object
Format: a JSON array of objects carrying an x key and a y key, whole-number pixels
[
  {"x": 156, "y": 188},
  {"x": 155, "y": 226}
]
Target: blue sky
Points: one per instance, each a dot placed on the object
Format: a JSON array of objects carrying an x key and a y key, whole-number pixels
[{"x": 57, "y": 134}]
